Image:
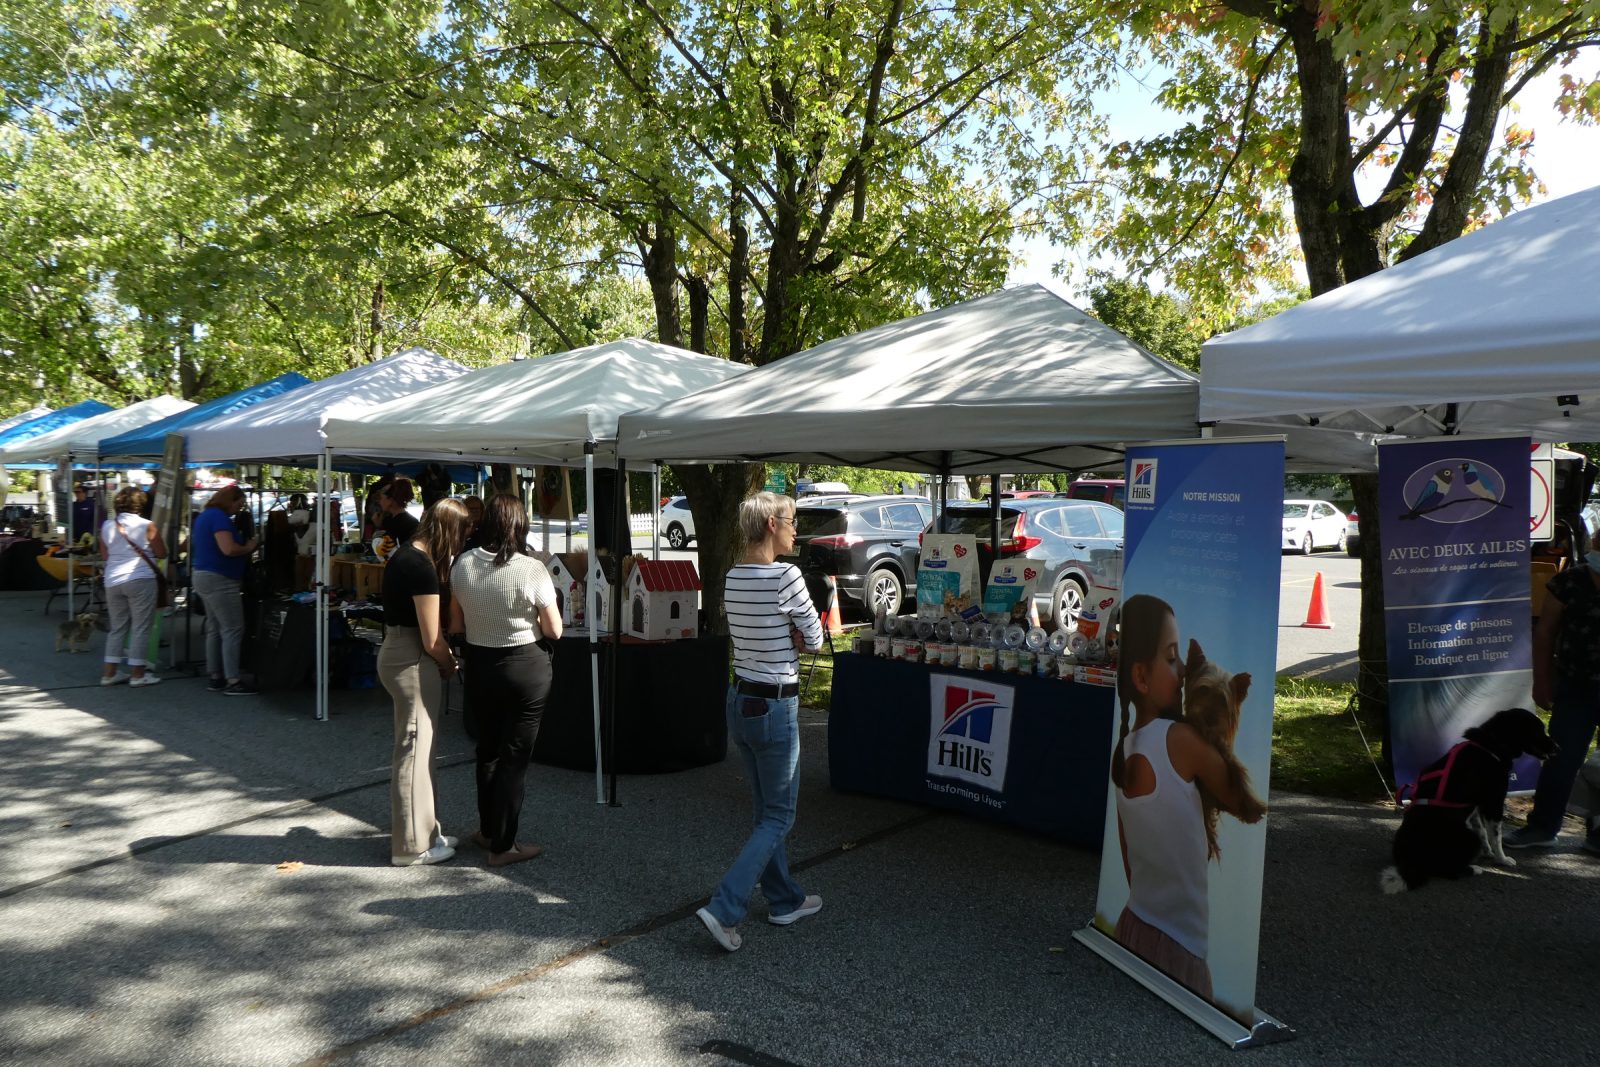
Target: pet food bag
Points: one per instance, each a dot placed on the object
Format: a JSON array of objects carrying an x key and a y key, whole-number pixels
[
  {"x": 1008, "y": 597},
  {"x": 947, "y": 576}
]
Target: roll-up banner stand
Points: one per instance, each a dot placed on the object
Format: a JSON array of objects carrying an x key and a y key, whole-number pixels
[
  {"x": 1455, "y": 521},
  {"x": 1179, "y": 906}
]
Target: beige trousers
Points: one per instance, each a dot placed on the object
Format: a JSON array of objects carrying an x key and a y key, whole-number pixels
[{"x": 413, "y": 681}]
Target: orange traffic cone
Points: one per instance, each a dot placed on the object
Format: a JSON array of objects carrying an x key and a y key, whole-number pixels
[
  {"x": 1317, "y": 612},
  {"x": 832, "y": 621}
]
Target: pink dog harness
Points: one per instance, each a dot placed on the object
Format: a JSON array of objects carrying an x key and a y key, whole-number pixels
[{"x": 1432, "y": 787}]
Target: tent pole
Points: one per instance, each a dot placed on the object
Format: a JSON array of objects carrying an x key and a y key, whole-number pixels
[
  {"x": 994, "y": 519},
  {"x": 591, "y": 598},
  {"x": 655, "y": 511},
  {"x": 944, "y": 490},
  {"x": 321, "y": 582},
  {"x": 624, "y": 537}
]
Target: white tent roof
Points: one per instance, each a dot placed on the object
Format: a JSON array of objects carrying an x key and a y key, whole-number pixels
[
  {"x": 1500, "y": 322},
  {"x": 1018, "y": 380},
  {"x": 289, "y": 428},
  {"x": 82, "y": 438},
  {"x": 541, "y": 410}
]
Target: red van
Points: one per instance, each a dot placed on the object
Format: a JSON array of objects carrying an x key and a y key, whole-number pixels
[{"x": 1105, "y": 490}]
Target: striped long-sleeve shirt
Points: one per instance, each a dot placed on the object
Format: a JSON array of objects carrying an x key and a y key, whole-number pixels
[{"x": 763, "y": 600}]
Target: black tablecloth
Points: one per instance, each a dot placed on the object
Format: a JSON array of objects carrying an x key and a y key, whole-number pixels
[
  {"x": 1057, "y": 750},
  {"x": 669, "y": 713},
  {"x": 17, "y": 567}
]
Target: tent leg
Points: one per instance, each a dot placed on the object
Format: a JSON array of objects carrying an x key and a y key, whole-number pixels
[
  {"x": 321, "y": 581},
  {"x": 624, "y": 531},
  {"x": 994, "y": 519},
  {"x": 592, "y": 605},
  {"x": 655, "y": 511}
]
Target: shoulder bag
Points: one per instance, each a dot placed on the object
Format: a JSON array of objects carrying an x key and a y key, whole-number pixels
[{"x": 163, "y": 590}]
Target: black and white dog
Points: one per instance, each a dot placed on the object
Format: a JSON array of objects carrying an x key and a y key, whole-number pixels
[{"x": 1459, "y": 801}]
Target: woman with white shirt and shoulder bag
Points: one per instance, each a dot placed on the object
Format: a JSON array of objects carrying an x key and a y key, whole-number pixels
[
  {"x": 130, "y": 545},
  {"x": 769, "y": 612},
  {"x": 502, "y": 598}
]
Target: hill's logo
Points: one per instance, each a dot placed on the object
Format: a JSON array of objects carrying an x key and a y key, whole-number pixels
[
  {"x": 1142, "y": 487},
  {"x": 970, "y": 730}
]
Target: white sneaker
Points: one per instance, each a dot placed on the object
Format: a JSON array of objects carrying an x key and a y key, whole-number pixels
[
  {"x": 810, "y": 906},
  {"x": 726, "y": 936},
  {"x": 445, "y": 841},
  {"x": 115, "y": 679},
  {"x": 436, "y": 854},
  {"x": 148, "y": 679}
]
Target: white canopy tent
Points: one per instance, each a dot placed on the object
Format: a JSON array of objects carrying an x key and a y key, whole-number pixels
[
  {"x": 290, "y": 429},
  {"x": 1018, "y": 380},
  {"x": 558, "y": 410},
  {"x": 81, "y": 440},
  {"x": 22, "y": 417},
  {"x": 1497, "y": 331}
]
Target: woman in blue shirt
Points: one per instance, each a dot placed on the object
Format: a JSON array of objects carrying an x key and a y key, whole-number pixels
[{"x": 218, "y": 558}]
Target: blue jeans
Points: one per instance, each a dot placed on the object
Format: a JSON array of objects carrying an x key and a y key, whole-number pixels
[
  {"x": 769, "y": 743},
  {"x": 1574, "y": 715}
]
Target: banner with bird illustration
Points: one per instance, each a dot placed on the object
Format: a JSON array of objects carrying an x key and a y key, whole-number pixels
[{"x": 1454, "y": 526}]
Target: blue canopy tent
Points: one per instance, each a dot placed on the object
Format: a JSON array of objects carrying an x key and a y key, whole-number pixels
[
  {"x": 53, "y": 421},
  {"x": 23, "y": 416}
]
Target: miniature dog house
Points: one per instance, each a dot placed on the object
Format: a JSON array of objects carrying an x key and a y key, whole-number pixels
[
  {"x": 663, "y": 600},
  {"x": 568, "y": 571}
]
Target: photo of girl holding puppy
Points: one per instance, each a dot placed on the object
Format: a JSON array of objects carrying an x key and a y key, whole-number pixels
[{"x": 1160, "y": 767}]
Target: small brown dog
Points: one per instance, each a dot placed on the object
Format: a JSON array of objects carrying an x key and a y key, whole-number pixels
[
  {"x": 1211, "y": 701},
  {"x": 76, "y": 632}
]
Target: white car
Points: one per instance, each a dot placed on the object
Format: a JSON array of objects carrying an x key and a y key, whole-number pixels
[
  {"x": 677, "y": 522},
  {"x": 1313, "y": 524}
]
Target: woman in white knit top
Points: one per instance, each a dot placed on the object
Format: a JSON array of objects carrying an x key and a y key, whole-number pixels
[{"x": 503, "y": 600}]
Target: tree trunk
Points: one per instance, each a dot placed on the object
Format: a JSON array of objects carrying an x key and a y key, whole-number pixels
[
  {"x": 1372, "y": 646},
  {"x": 374, "y": 337},
  {"x": 715, "y": 492},
  {"x": 738, "y": 261},
  {"x": 659, "y": 247},
  {"x": 699, "y": 312}
]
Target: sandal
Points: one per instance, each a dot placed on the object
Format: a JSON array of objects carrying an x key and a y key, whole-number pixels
[{"x": 517, "y": 854}]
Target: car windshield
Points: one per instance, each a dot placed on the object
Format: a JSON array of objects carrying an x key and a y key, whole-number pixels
[
  {"x": 1294, "y": 511},
  {"x": 817, "y": 522}
]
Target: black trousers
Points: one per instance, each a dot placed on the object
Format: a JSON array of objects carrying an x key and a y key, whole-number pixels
[{"x": 506, "y": 689}]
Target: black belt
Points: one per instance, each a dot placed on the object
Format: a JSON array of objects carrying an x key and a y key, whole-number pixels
[{"x": 766, "y": 689}]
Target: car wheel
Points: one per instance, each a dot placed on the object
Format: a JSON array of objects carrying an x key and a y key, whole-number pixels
[
  {"x": 1305, "y": 546},
  {"x": 677, "y": 537},
  {"x": 1067, "y": 604},
  {"x": 1344, "y": 541},
  {"x": 884, "y": 592}
]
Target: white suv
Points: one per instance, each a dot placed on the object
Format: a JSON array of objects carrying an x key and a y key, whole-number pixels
[{"x": 677, "y": 522}]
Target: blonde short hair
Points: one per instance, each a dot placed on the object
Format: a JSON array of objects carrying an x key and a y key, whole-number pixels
[{"x": 757, "y": 510}]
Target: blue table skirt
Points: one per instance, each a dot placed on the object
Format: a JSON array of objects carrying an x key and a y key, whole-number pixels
[{"x": 1057, "y": 756}]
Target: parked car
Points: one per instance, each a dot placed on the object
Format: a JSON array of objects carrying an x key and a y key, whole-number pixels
[
  {"x": 677, "y": 522},
  {"x": 1078, "y": 544},
  {"x": 1312, "y": 524},
  {"x": 1352, "y": 536},
  {"x": 869, "y": 545},
  {"x": 1105, "y": 490},
  {"x": 805, "y": 487}
]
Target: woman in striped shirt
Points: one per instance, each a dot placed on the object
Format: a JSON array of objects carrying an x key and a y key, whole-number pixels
[{"x": 769, "y": 613}]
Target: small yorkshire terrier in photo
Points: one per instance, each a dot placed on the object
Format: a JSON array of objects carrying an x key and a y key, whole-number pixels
[{"x": 73, "y": 635}]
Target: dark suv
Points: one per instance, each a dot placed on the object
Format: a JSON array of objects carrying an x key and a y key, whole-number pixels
[
  {"x": 1077, "y": 543},
  {"x": 869, "y": 544}
]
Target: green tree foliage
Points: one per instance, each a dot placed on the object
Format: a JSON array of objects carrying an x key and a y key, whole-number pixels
[
  {"x": 1339, "y": 137},
  {"x": 1158, "y": 321}
]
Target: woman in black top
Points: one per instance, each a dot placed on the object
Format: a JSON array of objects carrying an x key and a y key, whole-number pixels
[
  {"x": 413, "y": 664},
  {"x": 397, "y": 521}
]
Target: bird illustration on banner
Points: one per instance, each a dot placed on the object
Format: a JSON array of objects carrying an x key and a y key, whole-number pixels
[
  {"x": 1482, "y": 484},
  {"x": 1433, "y": 494}
]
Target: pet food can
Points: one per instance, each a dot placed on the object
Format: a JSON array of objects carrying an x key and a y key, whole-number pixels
[
  {"x": 1044, "y": 665},
  {"x": 986, "y": 658},
  {"x": 1036, "y": 640},
  {"x": 980, "y": 634},
  {"x": 959, "y": 631},
  {"x": 923, "y": 629},
  {"x": 941, "y": 630},
  {"x": 882, "y": 645},
  {"x": 1024, "y": 661},
  {"x": 1066, "y": 670},
  {"x": 1057, "y": 643},
  {"x": 1013, "y": 636},
  {"x": 913, "y": 650},
  {"x": 897, "y": 648},
  {"x": 967, "y": 656},
  {"x": 1006, "y": 660}
]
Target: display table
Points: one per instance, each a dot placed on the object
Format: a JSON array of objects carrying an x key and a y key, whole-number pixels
[
  {"x": 669, "y": 713},
  {"x": 1052, "y": 739}
]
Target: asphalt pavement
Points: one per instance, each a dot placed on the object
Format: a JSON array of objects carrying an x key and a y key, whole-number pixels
[{"x": 196, "y": 879}]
